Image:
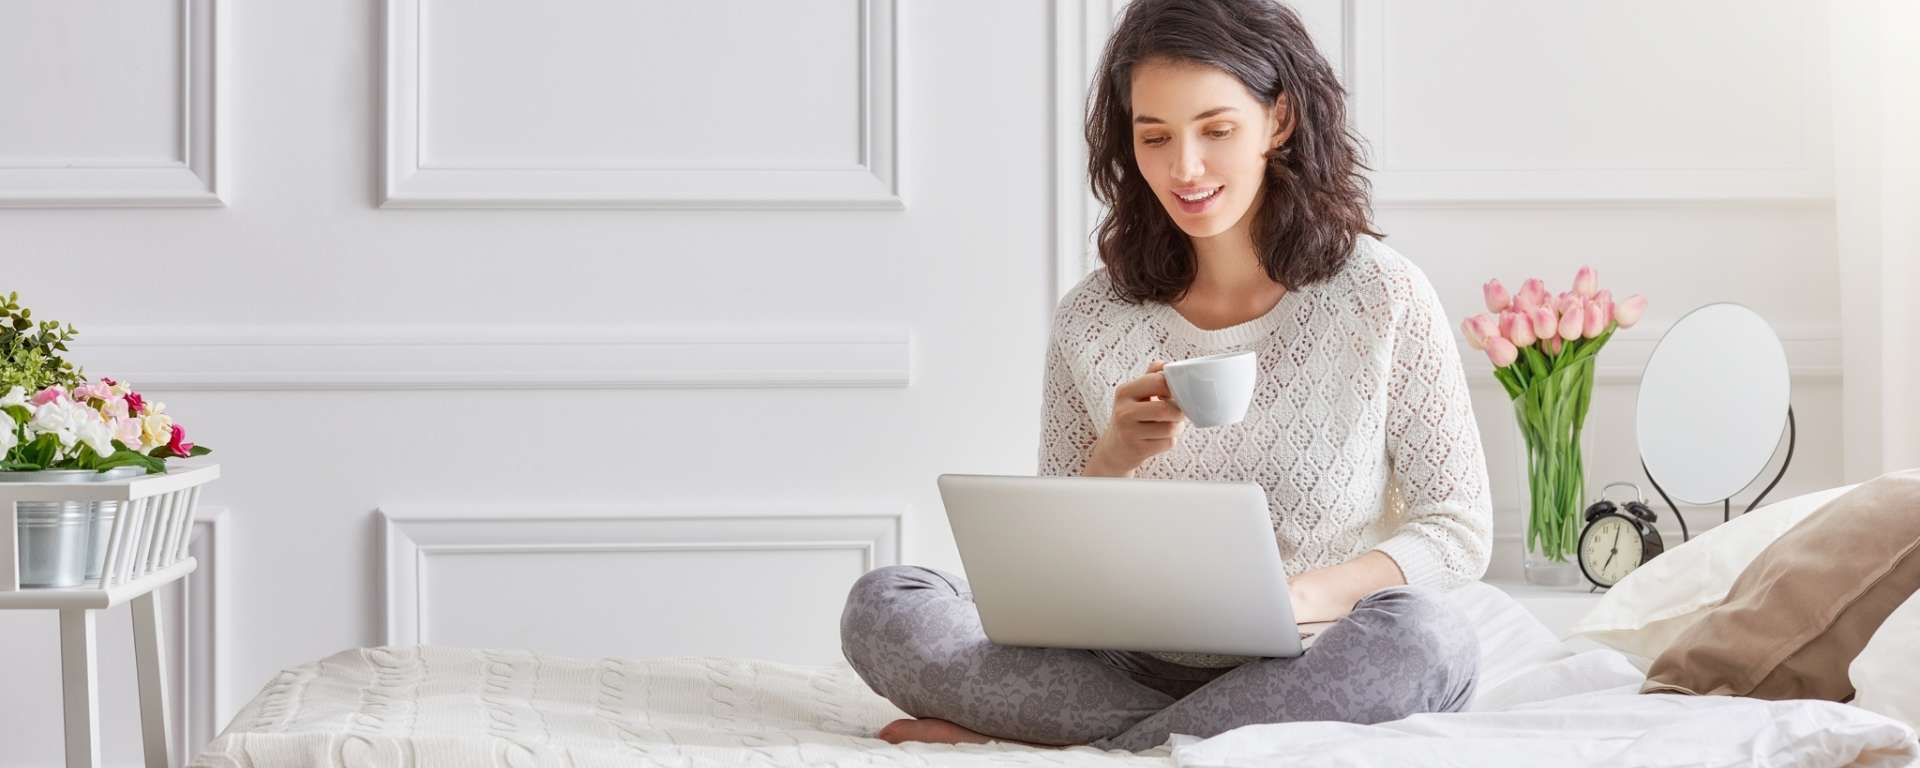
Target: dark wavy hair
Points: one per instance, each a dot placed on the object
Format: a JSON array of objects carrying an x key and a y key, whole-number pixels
[{"x": 1315, "y": 203}]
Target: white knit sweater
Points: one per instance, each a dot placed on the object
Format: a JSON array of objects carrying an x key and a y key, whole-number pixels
[{"x": 1361, "y": 429}]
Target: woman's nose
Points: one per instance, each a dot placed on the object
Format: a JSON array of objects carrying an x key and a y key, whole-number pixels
[{"x": 1186, "y": 163}]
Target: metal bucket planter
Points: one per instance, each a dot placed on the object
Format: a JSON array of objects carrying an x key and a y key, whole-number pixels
[{"x": 63, "y": 543}]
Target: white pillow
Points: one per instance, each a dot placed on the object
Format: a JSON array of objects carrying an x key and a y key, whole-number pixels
[
  {"x": 1643, "y": 613},
  {"x": 1886, "y": 674}
]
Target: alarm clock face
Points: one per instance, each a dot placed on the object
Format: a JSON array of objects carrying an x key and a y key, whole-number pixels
[{"x": 1610, "y": 549}]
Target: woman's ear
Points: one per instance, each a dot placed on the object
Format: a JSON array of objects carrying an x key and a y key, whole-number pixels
[{"x": 1282, "y": 118}]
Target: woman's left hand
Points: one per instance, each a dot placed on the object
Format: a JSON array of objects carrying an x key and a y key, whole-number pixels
[
  {"x": 1329, "y": 594},
  {"x": 1311, "y": 604}
]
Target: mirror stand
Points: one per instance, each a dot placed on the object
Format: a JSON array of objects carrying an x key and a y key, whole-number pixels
[{"x": 1726, "y": 504}]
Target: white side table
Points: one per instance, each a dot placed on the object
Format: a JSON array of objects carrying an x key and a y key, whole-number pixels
[
  {"x": 146, "y": 549},
  {"x": 1557, "y": 607}
]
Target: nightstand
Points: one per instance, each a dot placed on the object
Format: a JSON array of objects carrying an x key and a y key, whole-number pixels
[{"x": 1557, "y": 607}]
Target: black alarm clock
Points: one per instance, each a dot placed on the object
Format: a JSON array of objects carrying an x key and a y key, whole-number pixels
[{"x": 1617, "y": 539}]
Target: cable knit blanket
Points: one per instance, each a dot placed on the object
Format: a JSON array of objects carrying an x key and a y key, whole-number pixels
[{"x": 432, "y": 706}]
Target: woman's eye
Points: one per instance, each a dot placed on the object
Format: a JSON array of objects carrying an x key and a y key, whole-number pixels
[{"x": 1159, "y": 140}]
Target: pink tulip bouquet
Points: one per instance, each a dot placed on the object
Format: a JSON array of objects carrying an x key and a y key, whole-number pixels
[{"x": 1542, "y": 348}]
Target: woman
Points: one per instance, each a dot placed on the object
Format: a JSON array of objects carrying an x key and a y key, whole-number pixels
[{"x": 1217, "y": 136}]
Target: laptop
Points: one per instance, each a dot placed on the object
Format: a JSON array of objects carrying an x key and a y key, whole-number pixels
[{"x": 1126, "y": 564}]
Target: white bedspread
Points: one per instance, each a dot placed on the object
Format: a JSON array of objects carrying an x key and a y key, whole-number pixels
[
  {"x": 1536, "y": 704},
  {"x": 1539, "y": 704},
  {"x": 1609, "y": 723},
  {"x": 442, "y": 707}
]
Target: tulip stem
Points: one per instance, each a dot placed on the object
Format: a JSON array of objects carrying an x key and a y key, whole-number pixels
[{"x": 1551, "y": 412}]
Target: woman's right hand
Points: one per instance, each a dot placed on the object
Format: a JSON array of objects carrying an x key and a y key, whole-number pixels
[{"x": 1145, "y": 422}]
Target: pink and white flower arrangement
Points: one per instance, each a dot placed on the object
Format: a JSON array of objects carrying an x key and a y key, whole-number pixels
[
  {"x": 53, "y": 417},
  {"x": 1542, "y": 347},
  {"x": 97, "y": 425}
]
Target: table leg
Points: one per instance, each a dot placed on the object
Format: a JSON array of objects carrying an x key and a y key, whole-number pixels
[
  {"x": 149, "y": 655},
  {"x": 78, "y": 690}
]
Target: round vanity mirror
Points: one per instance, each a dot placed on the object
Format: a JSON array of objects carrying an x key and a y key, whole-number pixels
[{"x": 1713, "y": 403}]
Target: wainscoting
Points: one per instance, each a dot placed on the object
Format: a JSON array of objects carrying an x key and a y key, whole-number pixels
[{"x": 759, "y": 579}]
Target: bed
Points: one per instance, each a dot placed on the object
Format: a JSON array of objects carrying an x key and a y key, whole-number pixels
[{"x": 1539, "y": 702}]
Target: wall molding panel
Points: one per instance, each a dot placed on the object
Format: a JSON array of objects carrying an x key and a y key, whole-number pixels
[
  {"x": 196, "y": 174},
  {"x": 421, "y": 538},
  {"x": 203, "y": 634},
  {"x": 874, "y": 182},
  {"x": 302, "y": 358},
  {"x": 1807, "y": 180},
  {"x": 1080, "y": 28}
]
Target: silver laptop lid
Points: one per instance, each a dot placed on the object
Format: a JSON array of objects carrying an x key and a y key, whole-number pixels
[{"x": 1122, "y": 563}]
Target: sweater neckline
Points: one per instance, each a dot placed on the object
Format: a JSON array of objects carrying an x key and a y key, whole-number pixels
[{"x": 1232, "y": 335}]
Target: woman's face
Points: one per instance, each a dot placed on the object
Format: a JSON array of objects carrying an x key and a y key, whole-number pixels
[{"x": 1200, "y": 140}]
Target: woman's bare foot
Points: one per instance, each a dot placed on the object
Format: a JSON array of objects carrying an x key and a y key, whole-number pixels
[{"x": 935, "y": 730}]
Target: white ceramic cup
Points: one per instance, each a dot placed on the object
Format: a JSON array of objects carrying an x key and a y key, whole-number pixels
[{"x": 1213, "y": 390}]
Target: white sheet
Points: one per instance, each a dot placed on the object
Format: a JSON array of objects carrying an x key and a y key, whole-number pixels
[{"x": 1539, "y": 704}]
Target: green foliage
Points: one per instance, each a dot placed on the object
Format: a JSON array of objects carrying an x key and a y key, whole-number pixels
[
  {"x": 40, "y": 452},
  {"x": 30, "y": 351},
  {"x": 122, "y": 457},
  {"x": 1551, "y": 394}
]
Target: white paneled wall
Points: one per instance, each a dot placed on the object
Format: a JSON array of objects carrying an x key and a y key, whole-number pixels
[
  {"x": 1703, "y": 100},
  {"x": 795, "y": 105},
  {"x": 613, "y": 327},
  {"x": 1877, "y": 194},
  {"x": 112, "y": 103},
  {"x": 756, "y": 353}
]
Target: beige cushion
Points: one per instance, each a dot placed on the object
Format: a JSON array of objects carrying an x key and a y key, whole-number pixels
[
  {"x": 1651, "y": 606},
  {"x": 1801, "y": 612}
]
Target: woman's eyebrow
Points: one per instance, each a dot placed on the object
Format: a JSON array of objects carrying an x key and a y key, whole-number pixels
[{"x": 1202, "y": 116}]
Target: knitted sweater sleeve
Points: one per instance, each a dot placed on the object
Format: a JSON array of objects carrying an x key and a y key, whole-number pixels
[
  {"x": 1433, "y": 446},
  {"x": 1067, "y": 430}
]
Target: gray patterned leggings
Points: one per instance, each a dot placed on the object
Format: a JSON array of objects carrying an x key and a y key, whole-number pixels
[{"x": 913, "y": 634}]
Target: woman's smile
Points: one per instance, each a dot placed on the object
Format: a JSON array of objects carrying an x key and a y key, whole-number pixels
[{"x": 1198, "y": 199}]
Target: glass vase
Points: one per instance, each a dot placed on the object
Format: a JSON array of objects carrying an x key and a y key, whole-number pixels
[{"x": 1550, "y": 414}]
